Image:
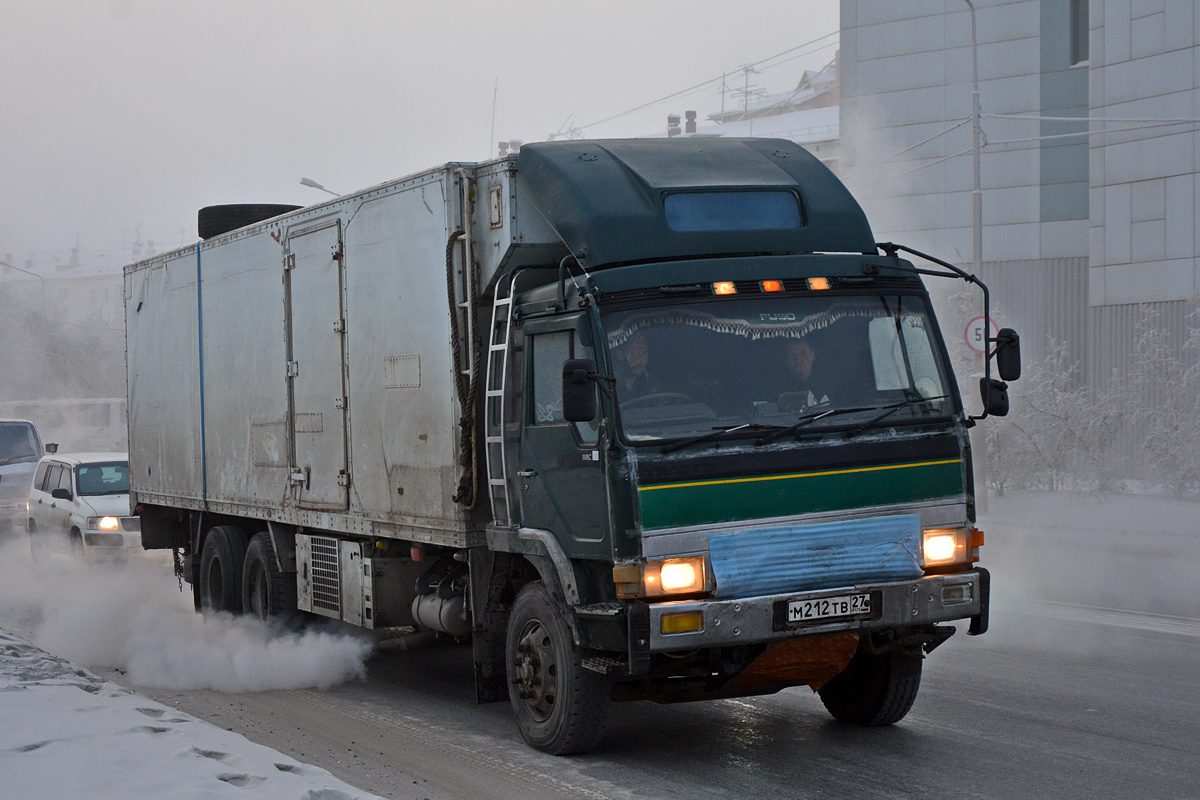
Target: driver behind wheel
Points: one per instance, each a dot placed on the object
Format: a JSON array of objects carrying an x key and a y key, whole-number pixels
[{"x": 631, "y": 364}]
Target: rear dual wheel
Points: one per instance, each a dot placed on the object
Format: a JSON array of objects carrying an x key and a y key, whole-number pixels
[
  {"x": 221, "y": 561},
  {"x": 267, "y": 592},
  {"x": 240, "y": 575}
]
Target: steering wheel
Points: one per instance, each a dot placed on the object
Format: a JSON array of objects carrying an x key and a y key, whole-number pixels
[{"x": 656, "y": 400}]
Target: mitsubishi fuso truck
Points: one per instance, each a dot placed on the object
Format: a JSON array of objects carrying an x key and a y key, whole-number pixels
[{"x": 639, "y": 419}]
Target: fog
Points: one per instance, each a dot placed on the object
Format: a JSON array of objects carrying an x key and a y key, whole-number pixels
[
  {"x": 131, "y": 616},
  {"x": 1091, "y": 575},
  {"x": 123, "y": 117}
]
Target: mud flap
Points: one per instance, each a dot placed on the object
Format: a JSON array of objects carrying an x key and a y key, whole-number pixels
[
  {"x": 638, "y": 616},
  {"x": 979, "y": 622}
]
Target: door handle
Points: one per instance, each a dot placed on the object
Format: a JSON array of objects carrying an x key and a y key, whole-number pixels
[{"x": 527, "y": 473}]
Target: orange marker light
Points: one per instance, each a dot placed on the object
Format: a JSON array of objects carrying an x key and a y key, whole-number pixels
[
  {"x": 724, "y": 287},
  {"x": 818, "y": 284},
  {"x": 772, "y": 286}
]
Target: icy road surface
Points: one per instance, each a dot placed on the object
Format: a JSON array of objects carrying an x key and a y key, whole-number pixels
[{"x": 66, "y": 733}]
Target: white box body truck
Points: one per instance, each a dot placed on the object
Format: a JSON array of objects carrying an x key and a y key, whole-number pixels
[{"x": 544, "y": 403}]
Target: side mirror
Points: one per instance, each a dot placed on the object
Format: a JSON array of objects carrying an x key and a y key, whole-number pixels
[
  {"x": 1008, "y": 354},
  {"x": 60, "y": 494},
  {"x": 52, "y": 447},
  {"x": 995, "y": 396},
  {"x": 578, "y": 392}
]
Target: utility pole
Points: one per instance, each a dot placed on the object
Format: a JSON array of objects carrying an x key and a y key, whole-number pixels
[{"x": 977, "y": 243}]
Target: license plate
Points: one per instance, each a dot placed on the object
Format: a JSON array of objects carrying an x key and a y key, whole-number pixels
[{"x": 845, "y": 605}]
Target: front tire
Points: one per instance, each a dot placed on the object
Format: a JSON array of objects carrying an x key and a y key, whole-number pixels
[
  {"x": 875, "y": 688},
  {"x": 221, "y": 561},
  {"x": 560, "y": 706},
  {"x": 267, "y": 593},
  {"x": 75, "y": 544},
  {"x": 36, "y": 545}
]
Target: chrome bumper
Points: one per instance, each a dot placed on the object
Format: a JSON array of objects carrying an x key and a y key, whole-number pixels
[{"x": 751, "y": 620}]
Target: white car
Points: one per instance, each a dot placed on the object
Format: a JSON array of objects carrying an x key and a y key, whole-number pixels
[
  {"x": 20, "y": 447},
  {"x": 80, "y": 502}
]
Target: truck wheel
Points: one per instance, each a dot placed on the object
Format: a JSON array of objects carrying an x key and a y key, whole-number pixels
[
  {"x": 560, "y": 706},
  {"x": 875, "y": 689},
  {"x": 221, "y": 561},
  {"x": 267, "y": 593}
]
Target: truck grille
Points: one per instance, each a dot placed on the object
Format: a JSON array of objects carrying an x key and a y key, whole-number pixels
[
  {"x": 795, "y": 558},
  {"x": 326, "y": 575}
]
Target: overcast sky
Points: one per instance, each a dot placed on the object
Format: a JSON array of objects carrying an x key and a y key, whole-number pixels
[{"x": 126, "y": 116}]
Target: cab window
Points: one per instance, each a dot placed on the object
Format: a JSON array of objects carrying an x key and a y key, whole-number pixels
[{"x": 548, "y": 352}]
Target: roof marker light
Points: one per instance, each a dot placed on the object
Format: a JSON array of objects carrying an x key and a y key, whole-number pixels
[
  {"x": 818, "y": 284},
  {"x": 771, "y": 286},
  {"x": 724, "y": 287}
]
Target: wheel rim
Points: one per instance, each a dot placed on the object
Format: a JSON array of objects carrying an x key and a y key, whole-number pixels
[{"x": 536, "y": 668}]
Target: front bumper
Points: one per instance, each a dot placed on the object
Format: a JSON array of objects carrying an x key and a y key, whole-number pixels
[
  {"x": 127, "y": 538},
  {"x": 753, "y": 620}
]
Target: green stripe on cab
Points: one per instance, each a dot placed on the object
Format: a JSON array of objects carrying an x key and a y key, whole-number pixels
[{"x": 672, "y": 505}]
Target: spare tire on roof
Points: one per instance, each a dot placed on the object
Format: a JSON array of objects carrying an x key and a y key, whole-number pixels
[{"x": 214, "y": 220}]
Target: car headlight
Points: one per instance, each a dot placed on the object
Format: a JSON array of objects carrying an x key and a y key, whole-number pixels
[
  {"x": 673, "y": 576},
  {"x": 103, "y": 524},
  {"x": 941, "y": 546}
]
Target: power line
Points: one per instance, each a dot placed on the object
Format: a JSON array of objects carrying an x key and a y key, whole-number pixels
[
  {"x": 933, "y": 163},
  {"x": 926, "y": 140},
  {"x": 708, "y": 82}
]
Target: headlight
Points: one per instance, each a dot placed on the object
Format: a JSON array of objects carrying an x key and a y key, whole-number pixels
[
  {"x": 103, "y": 524},
  {"x": 943, "y": 546},
  {"x": 660, "y": 578}
]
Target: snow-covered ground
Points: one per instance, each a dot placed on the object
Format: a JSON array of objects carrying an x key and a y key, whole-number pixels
[{"x": 65, "y": 732}]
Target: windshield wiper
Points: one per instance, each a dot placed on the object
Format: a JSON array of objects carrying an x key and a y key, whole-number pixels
[
  {"x": 806, "y": 421},
  {"x": 892, "y": 409},
  {"x": 713, "y": 434}
]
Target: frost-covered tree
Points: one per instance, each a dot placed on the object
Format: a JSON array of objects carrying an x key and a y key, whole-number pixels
[{"x": 1163, "y": 402}]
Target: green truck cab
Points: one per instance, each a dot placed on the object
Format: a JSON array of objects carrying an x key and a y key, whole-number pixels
[{"x": 733, "y": 423}]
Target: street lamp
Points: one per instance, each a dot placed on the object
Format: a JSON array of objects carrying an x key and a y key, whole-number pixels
[
  {"x": 313, "y": 184},
  {"x": 976, "y": 141},
  {"x": 977, "y": 235}
]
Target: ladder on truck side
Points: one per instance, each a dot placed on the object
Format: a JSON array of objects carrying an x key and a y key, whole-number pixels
[{"x": 497, "y": 377}]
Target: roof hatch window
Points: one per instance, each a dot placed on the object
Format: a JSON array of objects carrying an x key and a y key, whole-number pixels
[{"x": 732, "y": 211}]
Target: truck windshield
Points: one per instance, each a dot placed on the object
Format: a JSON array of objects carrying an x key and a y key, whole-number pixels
[
  {"x": 18, "y": 442},
  {"x": 745, "y": 365}
]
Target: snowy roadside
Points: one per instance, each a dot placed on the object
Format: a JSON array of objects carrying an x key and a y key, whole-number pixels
[{"x": 65, "y": 732}]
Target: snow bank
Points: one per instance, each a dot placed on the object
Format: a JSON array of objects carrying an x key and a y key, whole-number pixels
[{"x": 70, "y": 733}]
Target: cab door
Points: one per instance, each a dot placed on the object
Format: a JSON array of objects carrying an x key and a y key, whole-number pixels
[
  {"x": 39, "y": 494},
  {"x": 559, "y": 468}
]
